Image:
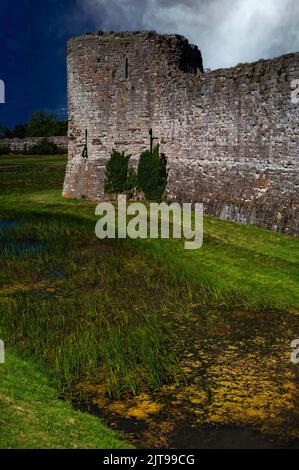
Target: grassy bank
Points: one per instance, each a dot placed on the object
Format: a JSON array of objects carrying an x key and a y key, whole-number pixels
[{"x": 32, "y": 416}]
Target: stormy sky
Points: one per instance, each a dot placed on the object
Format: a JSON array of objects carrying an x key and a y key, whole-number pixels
[
  {"x": 33, "y": 36},
  {"x": 227, "y": 31}
]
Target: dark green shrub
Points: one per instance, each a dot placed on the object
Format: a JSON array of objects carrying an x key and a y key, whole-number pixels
[
  {"x": 131, "y": 183},
  {"x": 42, "y": 124},
  {"x": 152, "y": 174},
  {"x": 44, "y": 147},
  {"x": 4, "y": 132},
  {"x": 19, "y": 132},
  {"x": 117, "y": 172}
]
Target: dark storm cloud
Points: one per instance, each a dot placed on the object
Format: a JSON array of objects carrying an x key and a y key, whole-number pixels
[{"x": 227, "y": 31}]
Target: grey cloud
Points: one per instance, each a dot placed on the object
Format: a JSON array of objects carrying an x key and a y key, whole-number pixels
[
  {"x": 173, "y": 3},
  {"x": 116, "y": 15},
  {"x": 227, "y": 31}
]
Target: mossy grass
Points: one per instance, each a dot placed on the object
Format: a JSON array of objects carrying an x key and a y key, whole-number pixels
[{"x": 106, "y": 312}]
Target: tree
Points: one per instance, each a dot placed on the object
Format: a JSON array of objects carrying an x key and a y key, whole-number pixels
[
  {"x": 152, "y": 174},
  {"x": 44, "y": 148},
  {"x": 117, "y": 170},
  {"x": 4, "y": 132},
  {"x": 20, "y": 131},
  {"x": 42, "y": 124}
]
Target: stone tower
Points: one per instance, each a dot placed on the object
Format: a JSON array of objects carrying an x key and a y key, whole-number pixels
[{"x": 231, "y": 137}]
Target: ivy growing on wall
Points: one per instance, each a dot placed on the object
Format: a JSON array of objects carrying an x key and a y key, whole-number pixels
[
  {"x": 152, "y": 174},
  {"x": 117, "y": 172},
  {"x": 131, "y": 184}
]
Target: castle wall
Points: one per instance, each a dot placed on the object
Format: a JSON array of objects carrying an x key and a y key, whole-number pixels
[
  {"x": 16, "y": 144},
  {"x": 231, "y": 137},
  {"x": 114, "y": 87}
]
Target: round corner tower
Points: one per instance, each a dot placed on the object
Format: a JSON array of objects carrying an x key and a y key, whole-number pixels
[
  {"x": 117, "y": 85},
  {"x": 230, "y": 136}
]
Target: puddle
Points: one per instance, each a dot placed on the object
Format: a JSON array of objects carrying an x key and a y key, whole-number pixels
[
  {"x": 22, "y": 248},
  {"x": 55, "y": 274},
  {"x": 161, "y": 432},
  {"x": 17, "y": 247},
  {"x": 8, "y": 224}
]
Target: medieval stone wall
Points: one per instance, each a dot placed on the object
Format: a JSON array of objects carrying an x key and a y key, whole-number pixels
[
  {"x": 23, "y": 144},
  {"x": 231, "y": 137}
]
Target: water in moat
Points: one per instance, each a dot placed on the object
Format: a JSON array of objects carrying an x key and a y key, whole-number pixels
[
  {"x": 17, "y": 247},
  {"x": 241, "y": 389},
  {"x": 6, "y": 225}
]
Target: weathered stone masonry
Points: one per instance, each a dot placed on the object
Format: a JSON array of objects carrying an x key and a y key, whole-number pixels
[
  {"x": 231, "y": 137},
  {"x": 24, "y": 144}
]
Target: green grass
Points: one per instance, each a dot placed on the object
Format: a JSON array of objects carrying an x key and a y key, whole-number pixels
[
  {"x": 115, "y": 335},
  {"x": 33, "y": 417},
  {"x": 107, "y": 312}
]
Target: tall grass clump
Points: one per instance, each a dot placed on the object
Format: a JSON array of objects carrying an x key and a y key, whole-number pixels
[{"x": 121, "y": 351}]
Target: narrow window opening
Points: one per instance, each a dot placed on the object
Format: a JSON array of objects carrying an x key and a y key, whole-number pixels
[
  {"x": 85, "y": 152},
  {"x": 127, "y": 68}
]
